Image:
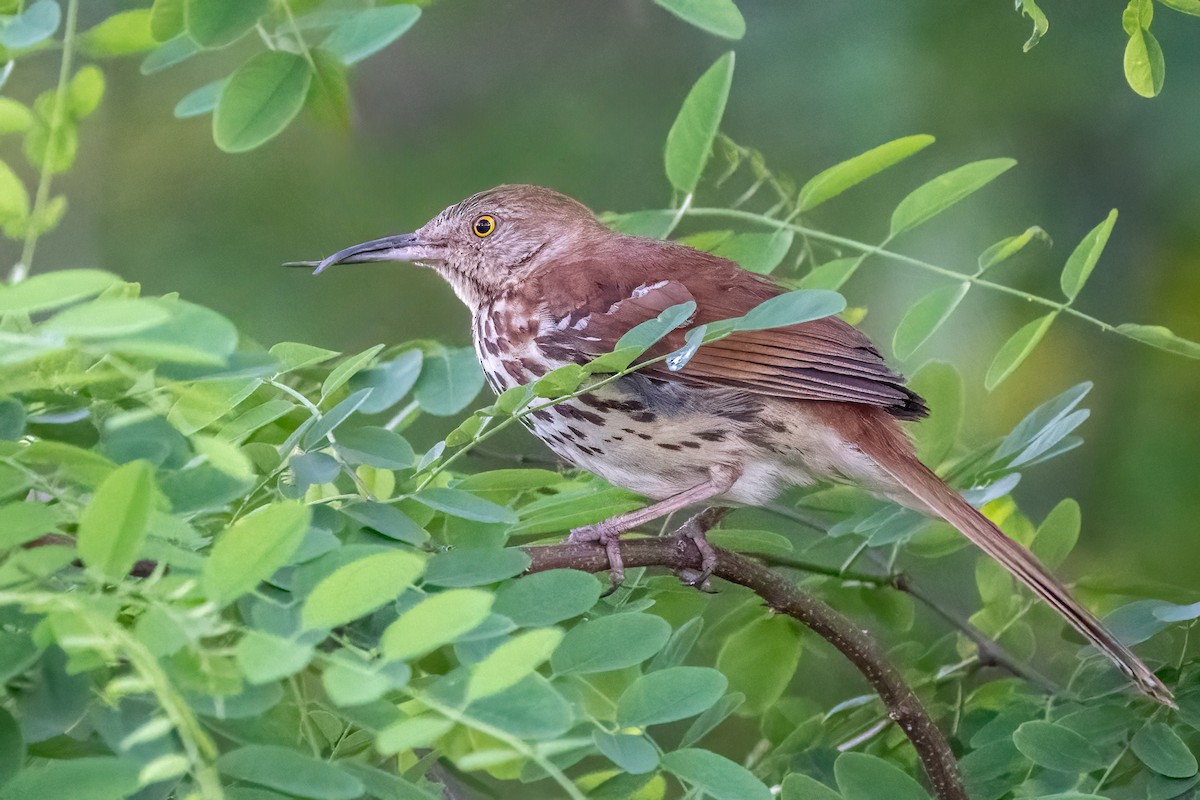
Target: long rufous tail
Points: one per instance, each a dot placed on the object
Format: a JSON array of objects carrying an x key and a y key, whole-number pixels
[{"x": 935, "y": 496}]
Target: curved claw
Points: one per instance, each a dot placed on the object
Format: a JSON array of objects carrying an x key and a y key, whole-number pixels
[{"x": 610, "y": 540}]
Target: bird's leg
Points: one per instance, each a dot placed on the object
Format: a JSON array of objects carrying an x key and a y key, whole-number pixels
[
  {"x": 696, "y": 529},
  {"x": 608, "y": 532}
]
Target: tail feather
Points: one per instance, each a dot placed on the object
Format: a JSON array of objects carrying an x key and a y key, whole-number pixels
[{"x": 934, "y": 495}]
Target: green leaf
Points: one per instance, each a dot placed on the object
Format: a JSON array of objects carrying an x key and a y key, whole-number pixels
[
  {"x": 167, "y": 19},
  {"x": 358, "y": 588},
  {"x": 352, "y": 681},
  {"x": 756, "y": 252},
  {"x": 200, "y": 101},
  {"x": 12, "y": 747},
  {"x": 1162, "y": 338},
  {"x": 14, "y": 202},
  {"x": 1055, "y": 746},
  {"x": 1056, "y": 536},
  {"x": 54, "y": 290},
  {"x": 934, "y": 197},
  {"x": 253, "y": 548},
  {"x": 121, "y": 34},
  {"x": 388, "y": 520},
  {"x": 419, "y": 731},
  {"x": 831, "y": 275},
  {"x": 438, "y": 620},
  {"x": 1085, "y": 255},
  {"x": 1186, "y": 6},
  {"x": 925, "y": 316},
  {"x": 449, "y": 381},
  {"x": 548, "y": 597},
  {"x": 791, "y": 308},
  {"x": 613, "y": 642},
  {"x": 690, "y": 140},
  {"x": 840, "y": 177},
  {"x": 631, "y": 752},
  {"x": 264, "y": 658},
  {"x": 170, "y": 53},
  {"x": 376, "y": 447},
  {"x": 23, "y": 521},
  {"x": 260, "y": 99},
  {"x": 36, "y": 23},
  {"x": 390, "y": 381},
  {"x": 85, "y": 91},
  {"x": 512, "y": 661},
  {"x": 15, "y": 116},
  {"x": 759, "y": 660},
  {"x": 112, "y": 528},
  {"x": 866, "y": 777},
  {"x": 1145, "y": 68},
  {"x": 941, "y": 386},
  {"x": 216, "y": 23},
  {"x": 1009, "y": 247},
  {"x": 369, "y": 30},
  {"x": 288, "y": 771},
  {"x": 667, "y": 695},
  {"x": 347, "y": 368},
  {"x": 801, "y": 787},
  {"x": 106, "y": 318},
  {"x": 1161, "y": 749},
  {"x": 1017, "y": 349},
  {"x": 459, "y": 568},
  {"x": 334, "y": 417},
  {"x": 1030, "y": 9},
  {"x": 718, "y": 17},
  {"x": 329, "y": 93},
  {"x": 294, "y": 355},
  {"x": 465, "y": 505},
  {"x": 715, "y": 775},
  {"x": 86, "y": 778}
]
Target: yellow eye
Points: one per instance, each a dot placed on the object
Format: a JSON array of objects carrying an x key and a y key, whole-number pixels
[{"x": 484, "y": 226}]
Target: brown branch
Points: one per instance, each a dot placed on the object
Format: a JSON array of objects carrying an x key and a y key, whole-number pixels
[{"x": 676, "y": 553}]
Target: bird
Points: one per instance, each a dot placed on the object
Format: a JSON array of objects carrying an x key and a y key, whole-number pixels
[{"x": 548, "y": 285}]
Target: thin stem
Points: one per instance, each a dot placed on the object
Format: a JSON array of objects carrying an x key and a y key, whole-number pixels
[{"x": 56, "y": 120}]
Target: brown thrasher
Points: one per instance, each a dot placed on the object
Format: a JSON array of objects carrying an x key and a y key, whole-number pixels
[{"x": 747, "y": 417}]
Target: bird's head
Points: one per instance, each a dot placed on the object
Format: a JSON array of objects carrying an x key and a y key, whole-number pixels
[{"x": 488, "y": 243}]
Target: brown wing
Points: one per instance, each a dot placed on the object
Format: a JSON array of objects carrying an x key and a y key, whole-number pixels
[{"x": 826, "y": 359}]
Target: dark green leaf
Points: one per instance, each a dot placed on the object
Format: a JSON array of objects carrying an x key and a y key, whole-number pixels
[
  {"x": 369, "y": 30},
  {"x": 840, "y": 177},
  {"x": 1085, "y": 255},
  {"x": 801, "y": 787},
  {"x": 288, "y": 771},
  {"x": 612, "y": 642},
  {"x": 667, "y": 695},
  {"x": 346, "y": 369},
  {"x": 718, "y": 17},
  {"x": 358, "y": 588},
  {"x": 1161, "y": 749},
  {"x": 934, "y": 197},
  {"x": 90, "y": 778},
  {"x": 1054, "y": 746},
  {"x": 866, "y": 777},
  {"x": 690, "y": 140},
  {"x": 547, "y": 597},
  {"x": 458, "y": 503},
  {"x": 260, "y": 99},
  {"x": 253, "y": 548},
  {"x": 388, "y": 520},
  {"x": 711, "y": 718},
  {"x": 12, "y": 747},
  {"x": 716, "y": 775},
  {"x": 460, "y": 568},
  {"x": 113, "y": 526},
  {"x": 216, "y": 23},
  {"x": 925, "y": 316},
  {"x": 334, "y": 417},
  {"x": 449, "y": 381},
  {"x": 437, "y": 620},
  {"x": 1017, "y": 349},
  {"x": 389, "y": 381}
]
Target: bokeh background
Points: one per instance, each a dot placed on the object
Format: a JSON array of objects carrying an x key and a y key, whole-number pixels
[{"x": 579, "y": 96}]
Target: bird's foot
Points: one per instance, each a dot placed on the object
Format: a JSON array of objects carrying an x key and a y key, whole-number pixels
[
  {"x": 694, "y": 531},
  {"x": 610, "y": 539}
]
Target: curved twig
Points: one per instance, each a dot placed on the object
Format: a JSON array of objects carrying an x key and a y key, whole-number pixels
[{"x": 676, "y": 553}]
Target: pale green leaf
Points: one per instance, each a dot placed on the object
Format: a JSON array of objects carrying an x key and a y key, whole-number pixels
[
  {"x": 449, "y": 381},
  {"x": 670, "y": 694},
  {"x": 718, "y": 17},
  {"x": 759, "y": 660},
  {"x": 36, "y": 23},
  {"x": 260, "y": 99},
  {"x": 369, "y": 30},
  {"x": 1056, "y": 536},
  {"x": 833, "y": 181},
  {"x": 934, "y": 197},
  {"x": 253, "y": 548},
  {"x": 437, "y": 620},
  {"x": 512, "y": 661},
  {"x": 216, "y": 23},
  {"x": 1085, "y": 255},
  {"x": 791, "y": 308},
  {"x": 289, "y": 771},
  {"x": 717, "y": 776},
  {"x": 358, "y": 588},
  {"x": 121, "y": 34},
  {"x": 1017, "y": 349},
  {"x": 199, "y": 101},
  {"x": 1162, "y": 338},
  {"x": 1009, "y": 247},
  {"x": 112, "y": 528},
  {"x": 54, "y": 289},
  {"x": 547, "y": 597},
  {"x": 1145, "y": 68},
  {"x": 690, "y": 140},
  {"x": 925, "y": 316}
]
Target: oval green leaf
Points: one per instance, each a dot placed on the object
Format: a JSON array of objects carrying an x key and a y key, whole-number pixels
[
  {"x": 1162, "y": 338},
  {"x": 667, "y": 695},
  {"x": 1085, "y": 255},
  {"x": 1056, "y": 536},
  {"x": 867, "y": 777},
  {"x": 690, "y": 140},
  {"x": 449, "y": 381},
  {"x": 253, "y": 548},
  {"x": 475, "y": 567},
  {"x": 1145, "y": 68},
  {"x": 934, "y": 197},
  {"x": 358, "y": 588},
  {"x": 259, "y": 100},
  {"x": 1161, "y": 749},
  {"x": 112, "y": 528},
  {"x": 716, "y": 775},
  {"x": 54, "y": 290},
  {"x": 831, "y": 182},
  {"x": 511, "y": 662},
  {"x": 216, "y": 23},
  {"x": 1017, "y": 349},
  {"x": 925, "y": 316},
  {"x": 760, "y": 659},
  {"x": 1055, "y": 746},
  {"x": 369, "y": 30},
  {"x": 437, "y": 620},
  {"x": 547, "y": 597},
  {"x": 612, "y": 642},
  {"x": 288, "y": 771},
  {"x": 791, "y": 308}
]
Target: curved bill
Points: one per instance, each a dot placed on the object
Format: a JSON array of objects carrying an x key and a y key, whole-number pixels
[{"x": 401, "y": 247}]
